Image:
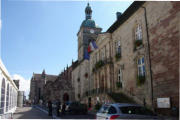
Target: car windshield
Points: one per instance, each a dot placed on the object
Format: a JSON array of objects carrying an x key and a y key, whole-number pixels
[
  {"x": 104, "y": 109},
  {"x": 135, "y": 110}
]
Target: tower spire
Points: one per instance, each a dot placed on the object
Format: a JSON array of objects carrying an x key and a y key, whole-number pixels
[{"x": 88, "y": 11}]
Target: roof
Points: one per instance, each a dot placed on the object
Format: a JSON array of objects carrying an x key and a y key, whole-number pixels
[
  {"x": 6, "y": 74},
  {"x": 89, "y": 23},
  {"x": 48, "y": 77},
  {"x": 129, "y": 11}
]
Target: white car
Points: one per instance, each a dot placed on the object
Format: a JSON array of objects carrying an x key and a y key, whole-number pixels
[{"x": 124, "y": 111}]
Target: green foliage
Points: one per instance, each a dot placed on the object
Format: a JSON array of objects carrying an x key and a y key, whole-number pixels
[
  {"x": 119, "y": 84},
  {"x": 98, "y": 65},
  {"x": 140, "y": 80},
  {"x": 138, "y": 43},
  {"x": 118, "y": 56}
]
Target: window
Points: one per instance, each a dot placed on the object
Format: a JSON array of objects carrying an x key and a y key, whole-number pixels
[
  {"x": 112, "y": 110},
  {"x": 141, "y": 67},
  {"x": 118, "y": 50},
  {"x": 78, "y": 79},
  {"x": 135, "y": 110},
  {"x": 2, "y": 97},
  {"x": 118, "y": 47},
  {"x": 7, "y": 98},
  {"x": 138, "y": 32},
  {"x": 119, "y": 82},
  {"x": 120, "y": 75},
  {"x": 104, "y": 109}
]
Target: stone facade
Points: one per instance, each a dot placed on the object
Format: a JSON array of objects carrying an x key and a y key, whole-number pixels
[
  {"x": 164, "y": 35},
  {"x": 81, "y": 72},
  {"x": 60, "y": 89},
  {"x": 52, "y": 87},
  {"x": 138, "y": 55},
  {"x": 38, "y": 81}
]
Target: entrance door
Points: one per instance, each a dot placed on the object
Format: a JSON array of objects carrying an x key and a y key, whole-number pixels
[{"x": 66, "y": 97}]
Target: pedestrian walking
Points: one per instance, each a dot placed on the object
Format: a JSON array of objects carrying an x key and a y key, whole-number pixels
[
  {"x": 63, "y": 108},
  {"x": 50, "y": 107},
  {"x": 58, "y": 104}
]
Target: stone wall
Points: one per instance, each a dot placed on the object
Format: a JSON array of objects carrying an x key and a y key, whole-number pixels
[{"x": 164, "y": 35}]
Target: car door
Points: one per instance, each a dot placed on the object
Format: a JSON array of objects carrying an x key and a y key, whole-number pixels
[{"x": 112, "y": 113}]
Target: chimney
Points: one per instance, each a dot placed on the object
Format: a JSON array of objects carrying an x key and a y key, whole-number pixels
[{"x": 118, "y": 14}]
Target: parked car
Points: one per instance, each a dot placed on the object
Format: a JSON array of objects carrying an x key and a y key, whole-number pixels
[
  {"x": 124, "y": 111},
  {"x": 77, "y": 108}
]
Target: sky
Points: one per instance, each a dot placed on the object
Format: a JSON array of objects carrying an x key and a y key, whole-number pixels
[{"x": 42, "y": 34}]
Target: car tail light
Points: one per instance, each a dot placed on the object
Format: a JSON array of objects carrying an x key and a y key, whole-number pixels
[{"x": 114, "y": 117}]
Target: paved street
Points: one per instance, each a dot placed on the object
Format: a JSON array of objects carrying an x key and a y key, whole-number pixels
[
  {"x": 35, "y": 113},
  {"x": 30, "y": 113}
]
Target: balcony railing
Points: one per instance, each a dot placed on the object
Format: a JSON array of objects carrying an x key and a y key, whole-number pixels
[{"x": 101, "y": 63}]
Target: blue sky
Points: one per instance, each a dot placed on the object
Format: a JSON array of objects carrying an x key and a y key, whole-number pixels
[{"x": 41, "y": 34}]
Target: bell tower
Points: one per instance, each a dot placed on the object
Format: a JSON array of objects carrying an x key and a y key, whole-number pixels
[{"x": 88, "y": 31}]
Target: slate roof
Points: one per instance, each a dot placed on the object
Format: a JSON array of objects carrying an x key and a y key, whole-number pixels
[
  {"x": 128, "y": 13},
  {"x": 48, "y": 77}
]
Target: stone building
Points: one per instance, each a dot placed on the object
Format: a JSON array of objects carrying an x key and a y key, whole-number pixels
[
  {"x": 146, "y": 37},
  {"x": 60, "y": 89},
  {"x": 38, "y": 82},
  {"x": 80, "y": 75},
  {"x": 101, "y": 70},
  {"x": 137, "y": 56}
]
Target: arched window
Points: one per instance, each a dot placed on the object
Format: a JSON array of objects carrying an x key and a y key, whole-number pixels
[
  {"x": 7, "y": 97},
  {"x": 2, "y": 102}
]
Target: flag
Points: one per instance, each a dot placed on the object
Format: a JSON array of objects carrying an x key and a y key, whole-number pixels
[
  {"x": 86, "y": 55},
  {"x": 92, "y": 46}
]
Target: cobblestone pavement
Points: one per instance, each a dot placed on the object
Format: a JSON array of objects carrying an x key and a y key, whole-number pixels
[{"x": 30, "y": 113}]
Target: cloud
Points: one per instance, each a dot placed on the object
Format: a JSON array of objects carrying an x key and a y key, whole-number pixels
[{"x": 24, "y": 85}]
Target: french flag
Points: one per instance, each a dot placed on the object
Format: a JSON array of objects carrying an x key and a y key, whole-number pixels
[{"x": 92, "y": 46}]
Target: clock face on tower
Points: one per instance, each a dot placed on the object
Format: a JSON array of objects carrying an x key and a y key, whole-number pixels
[{"x": 91, "y": 31}]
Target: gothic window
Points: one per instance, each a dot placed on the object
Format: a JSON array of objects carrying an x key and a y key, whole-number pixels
[
  {"x": 7, "y": 98},
  {"x": 2, "y": 102},
  {"x": 138, "y": 32},
  {"x": 141, "y": 67}
]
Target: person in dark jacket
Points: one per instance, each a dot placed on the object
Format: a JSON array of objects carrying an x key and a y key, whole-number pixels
[
  {"x": 63, "y": 108},
  {"x": 58, "y": 104},
  {"x": 50, "y": 107}
]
